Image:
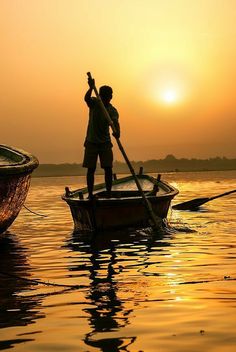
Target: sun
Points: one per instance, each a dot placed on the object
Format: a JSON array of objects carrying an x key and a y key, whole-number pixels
[
  {"x": 169, "y": 96},
  {"x": 168, "y": 87}
]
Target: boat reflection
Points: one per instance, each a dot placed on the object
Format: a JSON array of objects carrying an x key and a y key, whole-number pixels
[
  {"x": 16, "y": 309},
  {"x": 108, "y": 313}
]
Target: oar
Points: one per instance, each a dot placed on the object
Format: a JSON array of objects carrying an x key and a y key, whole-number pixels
[
  {"x": 156, "y": 225},
  {"x": 197, "y": 202}
]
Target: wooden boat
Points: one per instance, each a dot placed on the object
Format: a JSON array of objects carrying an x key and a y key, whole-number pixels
[
  {"x": 16, "y": 167},
  {"x": 124, "y": 208}
]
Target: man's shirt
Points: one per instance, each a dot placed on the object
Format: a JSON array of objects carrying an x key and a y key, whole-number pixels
[{"x": 98, "y": 126}]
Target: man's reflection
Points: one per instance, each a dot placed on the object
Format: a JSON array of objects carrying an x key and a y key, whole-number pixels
[{"x": 107, "y": 313}]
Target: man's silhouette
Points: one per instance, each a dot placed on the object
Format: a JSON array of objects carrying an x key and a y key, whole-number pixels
[{"x": 98, "y": 140}]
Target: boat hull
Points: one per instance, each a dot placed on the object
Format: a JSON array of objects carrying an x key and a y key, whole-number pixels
[
  {"x": 101, "y": 214},
  {"x": 13, "y": 191},
  {"x": 116, "y": 215},
  {"x": 15, "y": 174}
]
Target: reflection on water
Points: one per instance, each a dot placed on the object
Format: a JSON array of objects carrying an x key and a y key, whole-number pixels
[
  {"x": 107, "y": 312},
  {"x": 16, "y": 310},
  {"x": 126, "y": 291}
]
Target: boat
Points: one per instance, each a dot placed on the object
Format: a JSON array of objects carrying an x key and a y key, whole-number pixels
[
  {"x": 123, "y": 208},
  {"x": 16, "y": 167}
]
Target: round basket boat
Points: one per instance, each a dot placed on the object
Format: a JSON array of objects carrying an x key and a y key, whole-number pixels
[{"x": 16, "y": 167}]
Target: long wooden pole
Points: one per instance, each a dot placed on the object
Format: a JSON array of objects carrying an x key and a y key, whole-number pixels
[{"x": 156, "y": 222}]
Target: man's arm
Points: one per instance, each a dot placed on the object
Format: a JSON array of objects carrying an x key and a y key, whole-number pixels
[
  {"x": 115, "y": 119},
  {"x": 88, "y": 98},
  {"x": 116, "y": 134},
  {"x": 88, "y": 95}
]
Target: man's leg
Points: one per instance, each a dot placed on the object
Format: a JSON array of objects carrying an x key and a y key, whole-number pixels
[
  {"x": 108, "y": 179},
  {"x": 90, "y": 181},
  {"x": 90, "y": 161},
  {"x": 106, "y": 159}
]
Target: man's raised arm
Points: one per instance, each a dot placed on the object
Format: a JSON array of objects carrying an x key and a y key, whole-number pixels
[{"x": 88, "y": 95}]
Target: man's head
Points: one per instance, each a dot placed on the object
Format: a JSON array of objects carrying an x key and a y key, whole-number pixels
[{"x": 105, "y": 93}]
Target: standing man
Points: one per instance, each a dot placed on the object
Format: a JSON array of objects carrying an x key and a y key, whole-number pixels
[{"x": 98, "y": 140}]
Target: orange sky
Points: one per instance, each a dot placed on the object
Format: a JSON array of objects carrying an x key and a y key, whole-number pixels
[{"x": 171, "y": 65}]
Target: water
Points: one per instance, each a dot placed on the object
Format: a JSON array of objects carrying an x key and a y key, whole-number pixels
[{"x": 131, "y": 292}]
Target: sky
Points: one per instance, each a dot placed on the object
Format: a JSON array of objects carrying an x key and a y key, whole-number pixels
[{"x": 171, "y": 65}]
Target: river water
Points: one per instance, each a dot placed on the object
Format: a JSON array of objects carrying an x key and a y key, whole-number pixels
[{"x": 128, "y": 291}]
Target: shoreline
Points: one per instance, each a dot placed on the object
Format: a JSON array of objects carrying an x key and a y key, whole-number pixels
[{"x": 100, "y": 172}]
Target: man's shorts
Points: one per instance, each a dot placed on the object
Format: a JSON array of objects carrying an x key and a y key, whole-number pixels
[{"x": 93, "y": 150}]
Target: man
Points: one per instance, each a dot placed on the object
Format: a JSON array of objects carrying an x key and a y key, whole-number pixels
[{"x": 98, "y": 140}]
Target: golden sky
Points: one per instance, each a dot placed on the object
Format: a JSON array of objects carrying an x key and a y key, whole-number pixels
[{"x": 171, "y": 65}]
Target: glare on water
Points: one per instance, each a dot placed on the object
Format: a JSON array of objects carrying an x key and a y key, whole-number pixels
[{"x": 125, "y": 291}]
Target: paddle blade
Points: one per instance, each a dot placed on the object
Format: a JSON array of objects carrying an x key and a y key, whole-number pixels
[
  {"x": 196, "y": 203},
  {"x": 191, "y": 204}
]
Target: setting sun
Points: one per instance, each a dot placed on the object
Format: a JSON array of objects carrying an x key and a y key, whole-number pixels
[
  {"x": 169, "y": 85},
  {"x": 169, "y": 96}
]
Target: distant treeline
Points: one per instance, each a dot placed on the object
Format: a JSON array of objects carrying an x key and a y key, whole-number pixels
[{"x": 170, "y": 163}]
